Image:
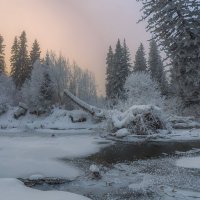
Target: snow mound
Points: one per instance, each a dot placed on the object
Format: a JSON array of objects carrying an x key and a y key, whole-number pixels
[{"x": 12, "y": 189}]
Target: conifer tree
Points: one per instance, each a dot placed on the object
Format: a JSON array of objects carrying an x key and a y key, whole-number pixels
[
  {"x": 2, "y": 56},
  {"x": 47, "y": 58},
  {"x": 35, "y": 52},
  {"x": 156, "y": 67},
  {"x": 176, "y": 26},
  {"x": 118, "y": 69},
  {"x": 109, "y": 74},
  {"x": 24, "y": 62},
  {"x": 140, "y": 63},
  {"x": 46, "y": 90},
  {"x": 117, "y": 84},
  {"x": 14, "y": 62},
  {"x": 125, "y": 67}
]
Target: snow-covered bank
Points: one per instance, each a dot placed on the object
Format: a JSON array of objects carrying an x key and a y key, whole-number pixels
[
  {"x": 58, "y": 119},
  {"x": 24, "y": 156},
  {"x": 12, "y": 189}
]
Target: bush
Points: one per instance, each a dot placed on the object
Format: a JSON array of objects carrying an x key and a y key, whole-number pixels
[{"x": 141, "y": 90}]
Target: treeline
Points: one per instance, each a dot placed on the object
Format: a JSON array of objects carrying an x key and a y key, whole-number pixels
[
  {"x": 40, "y": 81},
  {"x": 175, "y": 28},
  {"x": 120, "y": 67}
]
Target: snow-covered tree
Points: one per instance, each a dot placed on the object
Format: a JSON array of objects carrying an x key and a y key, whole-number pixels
[
  {"x": 35, "y": 52},
  {"x": 59, "y": 75},
  {"x": 140, "y": 63},
  {"x": 176, "y": 26},
  {"x": 2, "y": 56},
  {"x": 156, "y": 67},
  {"x": 83, "y": 84},
  {"x": 141, "y": 89}
]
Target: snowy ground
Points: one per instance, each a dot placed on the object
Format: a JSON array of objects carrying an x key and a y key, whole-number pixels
[
  {"x": 59, "y": 119},
  {"x": 12, "y": 189}
]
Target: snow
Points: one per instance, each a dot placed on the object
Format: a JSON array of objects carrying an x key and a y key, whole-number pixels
[
  {"x": 142, "y": 183},
  {"x": 12, "y": 189},
  {"x": 27, "y": 155},
  {"x": 94, "y": 168},
  {"x": 36, "y": 177},
  {"x": 121, "y": 133},
  {"x": 189, "y": 162},
  {"x": 58, "y": 119},
  {"x": 140, "y": 120},
  {"x": 170, "y": 193},
  {"x": 129, "y": 115}
]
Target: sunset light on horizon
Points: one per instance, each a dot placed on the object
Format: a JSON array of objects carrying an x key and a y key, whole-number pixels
[{"x": 81, "y": 30}]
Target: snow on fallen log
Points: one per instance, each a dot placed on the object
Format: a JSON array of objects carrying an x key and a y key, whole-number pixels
[
  {"x": 21, "y": 111},
  {"x": 140, "y": 120},
  {"x": 94, "y": 111}
]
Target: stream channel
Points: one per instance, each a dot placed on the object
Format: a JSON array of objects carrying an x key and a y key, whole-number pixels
[{"x": 136, "y": 170}]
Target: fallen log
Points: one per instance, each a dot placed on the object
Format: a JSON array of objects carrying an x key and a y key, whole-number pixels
[{"x": 94, "y": 111}]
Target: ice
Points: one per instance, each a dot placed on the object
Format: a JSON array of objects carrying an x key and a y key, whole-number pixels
[
  {"x": 24, "y": 156},
  {"x": 189, "y": 162},
  {"x": 12, "y": 189}
]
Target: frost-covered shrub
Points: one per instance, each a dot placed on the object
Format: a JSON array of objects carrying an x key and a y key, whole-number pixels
[
  {"x": 36, "y": 92},
  {"x": 141, "y": 90},
  {"x": 7, "y": 90}
]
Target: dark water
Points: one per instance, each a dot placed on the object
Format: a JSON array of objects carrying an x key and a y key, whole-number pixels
[{"x": 122, "y": 152}]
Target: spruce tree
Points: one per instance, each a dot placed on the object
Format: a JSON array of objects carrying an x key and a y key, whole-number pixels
[
  {"x": 176, "y": 26},
  {"x": 117, "y": 84},
  {"x": 118, "y": 69},
  {"x": 2, "y": 56},
  {"x": 109, "y": 74},
  {"x": 47, "y": 58},
  {"x": 24, "y": 62},
  {"x": 14, "y": 62},
  {"x": 35, "y": 52},
  {"x": 156, "y": 67},
  {"x": 46, "y": 90},
  {"x": 140, "y": 63},
  {"x": 125, "y": 67}
]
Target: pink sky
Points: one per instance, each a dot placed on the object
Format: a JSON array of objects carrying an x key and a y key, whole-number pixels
[{"x": 81, "y": 29}]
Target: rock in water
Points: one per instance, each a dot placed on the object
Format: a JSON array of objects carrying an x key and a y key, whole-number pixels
[{"x": 95, "y": 171}]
